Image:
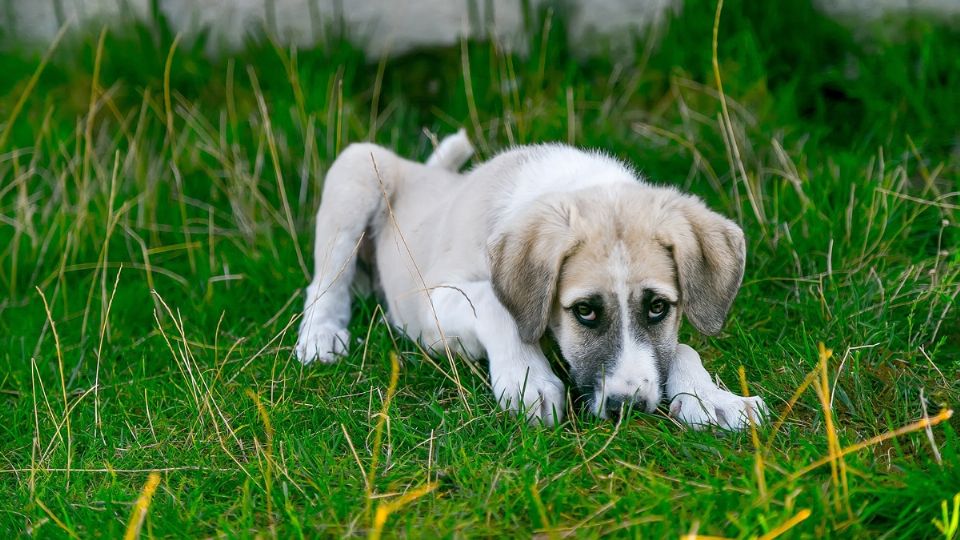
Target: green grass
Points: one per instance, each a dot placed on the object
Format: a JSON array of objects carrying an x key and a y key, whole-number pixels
[{"x": 164, "y": 231}]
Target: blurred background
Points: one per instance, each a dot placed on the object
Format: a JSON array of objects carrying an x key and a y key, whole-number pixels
[
  {"x": 161, "y": 163},
  {"x": 385, "y": 27}
]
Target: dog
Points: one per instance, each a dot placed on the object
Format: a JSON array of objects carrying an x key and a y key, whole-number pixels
[{"x": 543, "y": 239}]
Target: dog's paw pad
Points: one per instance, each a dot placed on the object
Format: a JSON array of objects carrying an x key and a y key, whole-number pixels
[{"x": 322, "y": 342}]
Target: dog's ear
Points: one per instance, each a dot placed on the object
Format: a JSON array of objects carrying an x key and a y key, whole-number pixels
[
  {"x": 710, "y": 254},
  {"x": 525, "y": 263}
]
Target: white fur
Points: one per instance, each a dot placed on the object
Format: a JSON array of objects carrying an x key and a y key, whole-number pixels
[
  {"x": 635, "y": 373},
  {"x": 697, "y": 401},
  {"x": 566, "y": 171},
  {"x": 430, "y": 228},
  {"x": 452, "y": 152}
]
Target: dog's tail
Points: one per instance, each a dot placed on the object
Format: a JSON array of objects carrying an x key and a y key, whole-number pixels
[{"x": 452, "y": 152}]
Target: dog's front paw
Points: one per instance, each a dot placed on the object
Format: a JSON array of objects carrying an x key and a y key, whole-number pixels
[
  {"x": 719, "y": 408},
  {"x": 321, "y": 341},
  {"x": 539, "y": 394}
]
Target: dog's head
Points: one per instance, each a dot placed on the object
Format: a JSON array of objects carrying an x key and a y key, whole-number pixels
[{"x": 609, "y": 271}]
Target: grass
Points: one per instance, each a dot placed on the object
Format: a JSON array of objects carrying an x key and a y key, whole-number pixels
[{"x": 155, "y": 229}]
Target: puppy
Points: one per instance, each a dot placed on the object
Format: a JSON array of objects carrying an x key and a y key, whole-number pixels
[{"x": 540, "y": 238}]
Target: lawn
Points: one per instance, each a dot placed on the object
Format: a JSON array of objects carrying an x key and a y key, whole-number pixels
[{"x": 156, "y": 213}]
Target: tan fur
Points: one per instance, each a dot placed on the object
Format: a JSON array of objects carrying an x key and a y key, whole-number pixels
[
  {"x": 672, "y": 239},
  {"x": 605, "y": 220},
  {"x": 710, "y": 254},
  {"x": 525, "y": 264}
]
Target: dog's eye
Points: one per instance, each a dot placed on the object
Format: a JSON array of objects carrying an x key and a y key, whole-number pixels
[
  {"x": 657, "y": 310},
  {"x": 585, "y": 314}
]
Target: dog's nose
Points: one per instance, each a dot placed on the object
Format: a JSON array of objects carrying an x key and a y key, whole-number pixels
[{"x": 614, "y": 406}]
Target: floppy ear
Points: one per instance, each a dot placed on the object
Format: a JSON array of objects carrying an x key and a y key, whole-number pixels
[
  {"x": 710, "y": 253},
  {"x": 525, "y": 264}
]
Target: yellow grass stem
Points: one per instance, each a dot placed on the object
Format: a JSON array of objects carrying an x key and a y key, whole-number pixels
[
  {"x": 375, "y": 99},
  {"x": 727, "y": 126},
  {"x": 787, "y": 525},
  {"x": 167, "y": 106},
  {"x": 384, "y": 510},
  {"x": 268, "y": 454},
  {"x": 382, "y": 418},
  {"x": 838, "y": 467},
  {"x": 63, "y": 383},
  {"x": 471, "y": 101},
  {"x": 807, "y": 381},
  {"x": 99, "y": 272},
  {"x": 542, "y": 511},
  {"x": 172, "y": 142},
  {"x": 88, "y": 149},
  {"x": 103, "y": 331},
  {"x": 277, "y": 172},
  {"x": 758, "y": 465},
  {"x": 943, "y": 416},
  {"x": 141, "y": 506}
]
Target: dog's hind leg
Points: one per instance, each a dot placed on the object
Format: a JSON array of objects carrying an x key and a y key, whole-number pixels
[{"x": 354, "y": 195}]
